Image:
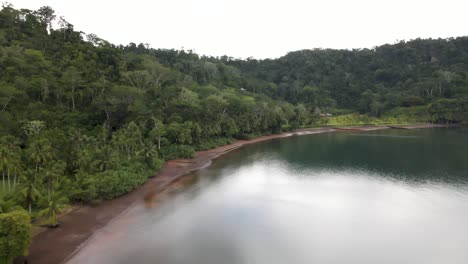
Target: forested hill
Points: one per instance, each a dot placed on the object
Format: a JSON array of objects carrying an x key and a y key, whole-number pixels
[
  {"x": 56, "y": 76},
  {"x": 424, "y": 68},
  {"x": 411, "y": 73},
  {"x": 61, "y": 75}
]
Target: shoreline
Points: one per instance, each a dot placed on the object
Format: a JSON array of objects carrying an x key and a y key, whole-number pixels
[{"x": 78, "y": 226}]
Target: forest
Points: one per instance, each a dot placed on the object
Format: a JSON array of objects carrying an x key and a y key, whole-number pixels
[{"x": 84, "y": 120}]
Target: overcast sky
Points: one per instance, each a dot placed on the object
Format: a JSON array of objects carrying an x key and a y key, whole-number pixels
[{"x": 261, "y": 28}]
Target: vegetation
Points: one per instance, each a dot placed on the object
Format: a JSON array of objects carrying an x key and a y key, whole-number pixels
[
  {"x": 415, "y": 73},
  {"x": 15, "y": 235},
  {"x": 85, "y": 120}
]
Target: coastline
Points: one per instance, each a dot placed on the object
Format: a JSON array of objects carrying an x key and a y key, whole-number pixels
[{"x": 60, "y": 244}]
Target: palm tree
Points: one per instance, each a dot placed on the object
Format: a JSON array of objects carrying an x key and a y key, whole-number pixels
[
  {"x": 8, "y": 206},
  {"x": 28, "y": 189},
  {"x": 104, "y": 158},
  {"x": 16, "y": 166},
  {"x": 14, "y": 160},
  {"x": 56, "y": 204},
  {"x": 148, "y": 151},
  {"x": 53, "y": 172},
  {"x": 158, "y": 131},
  {"x": 3, "y": 163},
  {"x": 40, "y": 152},
  {"x": 83, "y": 160}
]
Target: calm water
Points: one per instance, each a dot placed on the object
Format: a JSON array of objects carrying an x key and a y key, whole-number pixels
[{"x": 390, "y": 196}]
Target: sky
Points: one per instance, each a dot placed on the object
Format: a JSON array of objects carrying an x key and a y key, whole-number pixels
[{"x": 261, "y": 28}]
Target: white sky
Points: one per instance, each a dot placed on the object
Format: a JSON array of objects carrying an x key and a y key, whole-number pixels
[{"x": 261, "y": 28}]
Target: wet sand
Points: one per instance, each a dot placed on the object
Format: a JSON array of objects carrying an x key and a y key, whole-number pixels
[{"x": 58, "y": 245}]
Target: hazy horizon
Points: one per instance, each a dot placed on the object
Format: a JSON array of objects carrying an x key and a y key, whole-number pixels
[{"x": 260, "y": 29}]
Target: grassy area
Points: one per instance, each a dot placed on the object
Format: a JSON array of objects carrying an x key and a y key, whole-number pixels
[
  {"x": 396, "y": 116},
  {"x": 361, "y": 120}
]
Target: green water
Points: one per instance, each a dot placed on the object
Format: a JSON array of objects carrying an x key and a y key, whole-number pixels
[{"x": 389, "y": 196}]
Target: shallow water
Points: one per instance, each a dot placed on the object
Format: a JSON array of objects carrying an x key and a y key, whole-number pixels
[{"x": 390, "y": 196}]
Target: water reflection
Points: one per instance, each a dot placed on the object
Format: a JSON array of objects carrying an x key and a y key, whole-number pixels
[{"x": 260, "y": 206}]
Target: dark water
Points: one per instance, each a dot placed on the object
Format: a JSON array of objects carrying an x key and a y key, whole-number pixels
[{"x": 390, "y": 196}]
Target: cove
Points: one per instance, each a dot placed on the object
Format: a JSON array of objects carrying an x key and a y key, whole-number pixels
[{"x": 389, "y": 196}]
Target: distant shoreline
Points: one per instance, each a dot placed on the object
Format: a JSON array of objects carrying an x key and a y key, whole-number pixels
[{"x": 59, "y": 245}]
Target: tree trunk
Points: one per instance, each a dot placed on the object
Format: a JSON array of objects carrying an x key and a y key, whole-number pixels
[
  {"x": 159, "y": 142},
  {"x": 36, "y": 171},
  {"x": 4, "y": 106},
  {"x": 14, "y": 181},
  {"x": 54, "y": 219},
  {"x": 3, "y": 181},
  {"x": 48, "y": 187},
  {"x": 73, "y": 97},
  {"x": 9, "y": 185},
  {"x": 29, "y": 206}
]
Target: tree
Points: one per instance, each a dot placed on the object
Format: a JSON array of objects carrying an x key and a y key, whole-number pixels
[
  {"x": 15, "y": 235},
  {"x": 105, "y": 158},
  {"x": 28, "y": 189},
  {"x": 40, "y": 152},
  {"x": 32, "y": 128},
  {"x": 7, "y": 93},
  {"x": 129, "y": 139},
  {"x": 72, "y": 80},
  {"x": 179, "y": 133},
  {"x": 53, "y": 172},
  {"x": 46, "y": 15},
  {"x": 148, "y": 152},
  {"x": 55, "y": 205},
  {"x": 158, "y": 131},
  {"x": 9, "y": 158},
  {"x": 4, "y": 163}
]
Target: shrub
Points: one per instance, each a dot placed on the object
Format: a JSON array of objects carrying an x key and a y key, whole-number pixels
[
  {"x": 213, "y": 143},
  {"x": 83, "y": 188},
  {"x": 157, "y": 164},
  {"x": 177, "y": 151},
  {"x": 15, "y": 235},
  {"x": 114, "y": 183}
]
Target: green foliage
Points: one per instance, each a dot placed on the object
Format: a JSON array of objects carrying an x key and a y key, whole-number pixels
[
  {"x": 15, "y": 235},
  {"x": 28, "y": 190},
  {"x": 214, "y": 142},
  {"x": 7, "y": 204},
  {"x": 112, "y": 183},
  {"x": 177, "y": 151},
  {"x": 55, "y": 204},
  {"x": 83, "y": 188},
  {"x": 357, "y": 120},
  {"x": 449, "y": 110},
  {"x": 415, "y": 114},
  {"x": 157, "y": 165}
]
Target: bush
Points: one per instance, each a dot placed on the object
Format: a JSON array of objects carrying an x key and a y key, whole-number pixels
[
  {"x": 213, "y": 143},
  {"x": 157, "y": 164},
  {"x": 177, "y": 151},
  {"x": 249, "y": 136},
  {"x": 413, "y": 114},
  {"x": 83, "y": 188},
  {"x": 418, "y": 114},
  {"x": 114, "y": 183},
  {"x": 15, "y": 235}
]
